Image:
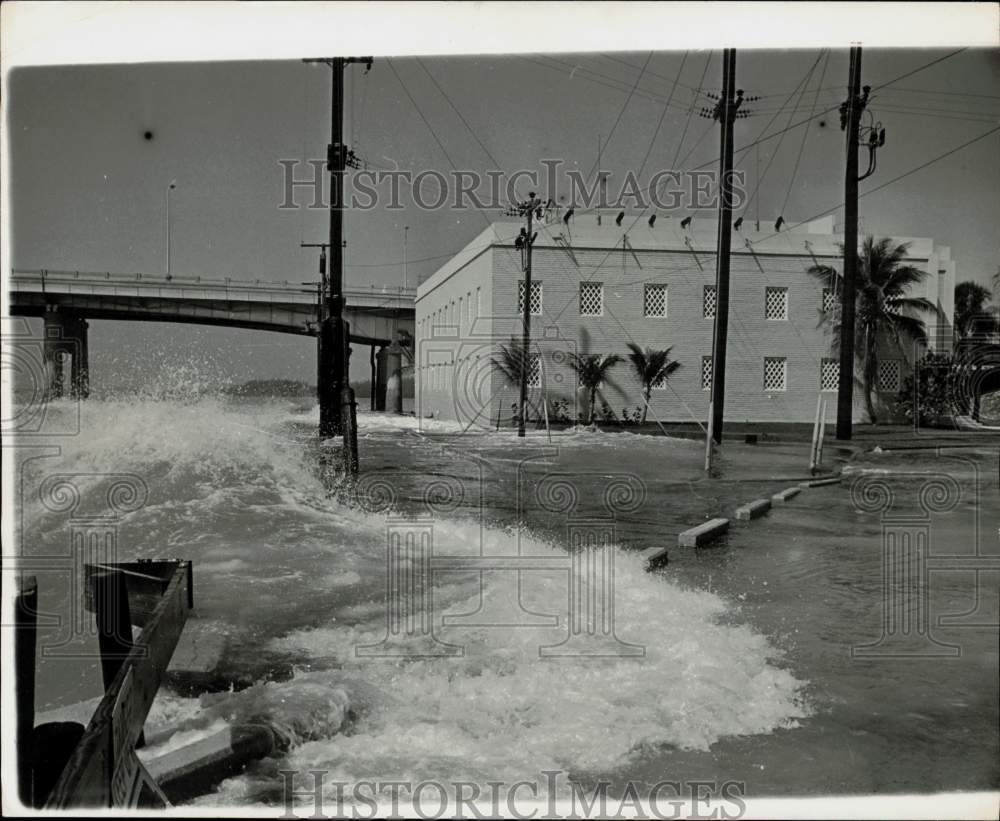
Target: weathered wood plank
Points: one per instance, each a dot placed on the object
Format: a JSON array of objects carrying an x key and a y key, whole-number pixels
[{"x": 94, "y": 775}]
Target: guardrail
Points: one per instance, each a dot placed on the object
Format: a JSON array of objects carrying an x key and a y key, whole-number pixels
[
  {"x": 98, "y": 767},
  {"x": 223, "y": 282}
]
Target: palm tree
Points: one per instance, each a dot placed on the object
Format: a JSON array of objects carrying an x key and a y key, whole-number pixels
[
  {"x": 592, "y": 369},
  {"x": 652, "y": 367},
  {"x": 882, "y": 281},
  {"x": 509, "y": 361},
  {"x": 970, "y": 308}
]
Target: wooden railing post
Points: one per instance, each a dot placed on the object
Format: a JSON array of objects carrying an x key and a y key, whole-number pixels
[{"x": 25, "y": 637}]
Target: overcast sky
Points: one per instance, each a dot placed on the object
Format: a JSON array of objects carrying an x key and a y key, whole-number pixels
[{"x": 88, "y": 190}]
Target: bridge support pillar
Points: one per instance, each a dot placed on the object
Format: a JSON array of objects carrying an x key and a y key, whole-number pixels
[
  {"x": 373, "y": 389},
  {"x": 54, "y": 353},
  {"x": 394, "y": 378},
  {"x": 381, "y": 377},
  {"x": 80, "y": 368}
]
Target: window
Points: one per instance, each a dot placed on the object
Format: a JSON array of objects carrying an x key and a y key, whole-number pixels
[
  {"x": 776, "y": 303},
  {"x": 829, "y": 375},
  {"x": 535, "y": 371},
  {"x": 709, "y": 300},
  {"x": 829, "y": 304},
  {"x": 706, "y": 373},
  {"x": 775, "y": 368},
  {"x": 591, "y": 299},
  {"x": 536, "y": 298},
  {"x": 892, "y": 306},
  {"x": 654, "y": 301},
  {"x": 888, "y": 375}
]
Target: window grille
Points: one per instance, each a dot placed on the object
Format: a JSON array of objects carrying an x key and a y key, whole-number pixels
[
  {"x": 535, "y": 371},
  {"x": 829, "y": 303},
  {"x": 659, "y": 384},
  {"x": 706, "y": 373},
  {"x": 775, "y": 368},
  {"x": 829, "y": 375},
  {"x": 710, "y": 299},
  {"x": 591, "y": 299},
  {"x": 893, "y": 307},
  {"x": 888, "y": 375},
  {"x": 536, "y": 298},
  {"x": 776, "y": 303},
  {"x": 654, "y": 302}
]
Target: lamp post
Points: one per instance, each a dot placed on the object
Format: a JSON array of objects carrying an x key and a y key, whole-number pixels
[
  {"x": 406, "y": 231},
  {"x": 170, "y": 187}
]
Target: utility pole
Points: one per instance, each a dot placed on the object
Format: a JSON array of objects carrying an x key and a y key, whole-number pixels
[
  {"x": 523, "y": 242},
  {"x": 850, "y": 119},
  {"x": 336, "y": 399},
  {"x": 726, "y": 112}
]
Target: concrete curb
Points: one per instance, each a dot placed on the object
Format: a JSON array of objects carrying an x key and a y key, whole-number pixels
[
  {"x": 826, "y": 480},
  {"x": 752, "y": 510},
  {"x": 783, "y": 496},
  {"x": 655, "y": 557},
  {"x": 714, "y": 528},
  {"x": 188, "y": 770},
  {"x": 703, "y": 533}
]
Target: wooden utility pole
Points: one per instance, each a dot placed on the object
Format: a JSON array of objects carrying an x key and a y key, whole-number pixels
[
  {"x": 336, "y": 398},
  {"x": 850, "y": 118},
  {"x": 725, "y": 111},
  {"x": 524, "y": 242}
]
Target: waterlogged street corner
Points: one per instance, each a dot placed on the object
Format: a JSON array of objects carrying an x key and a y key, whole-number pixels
[{"x": 554, "y": 434}]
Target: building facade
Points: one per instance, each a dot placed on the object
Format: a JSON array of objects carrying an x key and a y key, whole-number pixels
[{"x": 597, "y": 287}]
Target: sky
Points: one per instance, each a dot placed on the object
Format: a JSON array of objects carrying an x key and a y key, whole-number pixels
[{"x": 88, "y": 190}]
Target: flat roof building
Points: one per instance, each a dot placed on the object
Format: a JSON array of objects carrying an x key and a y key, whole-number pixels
[{"x": 596, "y": 287}]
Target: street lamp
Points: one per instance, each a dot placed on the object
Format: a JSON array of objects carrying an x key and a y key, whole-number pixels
[
  {"x": 406, "y": 231},
  {"x": 171, "y": 187}
]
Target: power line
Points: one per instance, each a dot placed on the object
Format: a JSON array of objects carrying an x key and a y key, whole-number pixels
[
  {"x": 920, "y": 68},
  {"x": 465, "y": 122},
  {"x": 621, "y": 112},
  {"x": 905, "y": 174},
  {"x": 697, "y": 90},
  {"x": 805, "y": 136},
  {"x": 803, "y": 84},
  {"x": 694, "y": 99},
  {"x": 663, "y": 114},
  {"x": 575, "y": 70}
]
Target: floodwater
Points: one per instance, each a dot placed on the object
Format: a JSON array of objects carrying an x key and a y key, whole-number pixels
[{"x": 733, "y": 662}]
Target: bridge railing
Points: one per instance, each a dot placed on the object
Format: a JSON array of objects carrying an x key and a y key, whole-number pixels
[{"x": 43, "y": 274}]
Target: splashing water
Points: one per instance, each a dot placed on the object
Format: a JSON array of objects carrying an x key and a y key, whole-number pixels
[{"x": 288, "y": 572}]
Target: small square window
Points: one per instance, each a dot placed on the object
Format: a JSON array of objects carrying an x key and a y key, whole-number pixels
[
  {"x": 535, "y": 371},
  {"x": 591, "y": 299},
  {"x": 775, "y": 370},
  {"x": 706, "y": 373},
  {"x": 888, "y": 375},
  {"x": 654, "y": 301},
  {"x": 829, "y": 304},
  {"x": 536, "y": 298},
  {"x": 776, "y": 303},
  {"x": 829, "y": 375},
  {"x": 709, "y": 300}
]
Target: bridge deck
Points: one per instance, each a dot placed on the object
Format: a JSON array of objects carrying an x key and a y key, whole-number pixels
[{"x": 374, "y": 313}]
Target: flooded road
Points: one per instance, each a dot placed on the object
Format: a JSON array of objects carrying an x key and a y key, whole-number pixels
[{"x": 745, "y": 670}]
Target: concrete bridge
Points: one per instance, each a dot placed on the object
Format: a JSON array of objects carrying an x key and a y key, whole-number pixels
[{"x": 67, "y": 299}]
